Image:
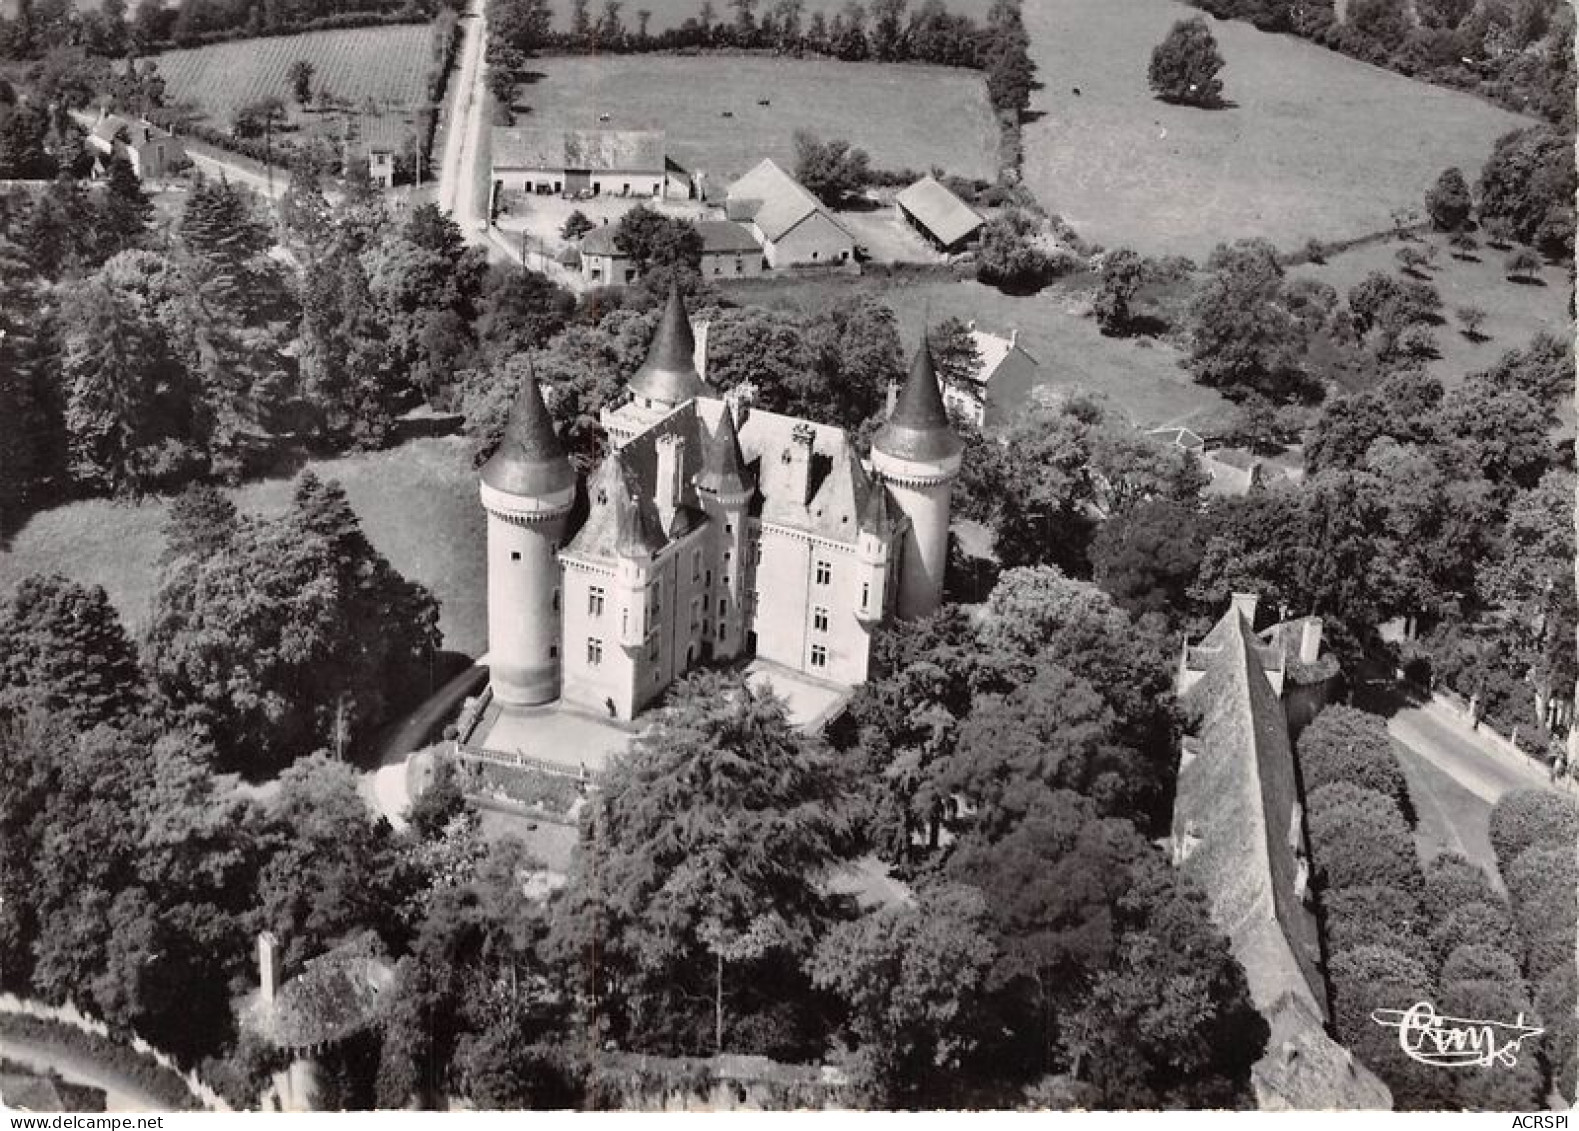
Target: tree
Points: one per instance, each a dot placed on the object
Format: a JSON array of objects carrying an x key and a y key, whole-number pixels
[
  {"x": 1244, "y": 337},
  {"x": 1009, "y": 256},
  {"x": 1471, "y": 318},
  {"x": 1448, "y": 202},
  {"x": 1413, "y": 260},
  {"x": 655, "y": 241},
  {"x": 1451, "y": 882},
  {"x": 701, "y": 870},
  {"x": 1384, "y": 23},
  {"x": 830, "y": 170},
  {"x": 1122, "y": 274},
  {"x": 1486, "y": 923},
  {"x": 281, "y": 610},
  {"x": 1361, "y": 979},
  {"x": 1522, "y": 265},
  {"x": 1148, "y": 557},
  {"x": 913, "y": 980},
  {"x": 575, "y": 226},
  {"x": 1358, "y": 847},
  {"x": 1526, "y": 190},
  {"x": 300, "y": 76},
  {"x": 1185, "y": 65},
  {"x": 63, "y": 650},
  {"x": 955, "y": 356},
  {"x": 1380, "y": 916}
]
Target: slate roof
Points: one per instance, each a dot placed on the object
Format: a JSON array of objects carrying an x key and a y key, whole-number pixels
[
  {"x": 623, "y": 518},
  {"x": 139, "y": 132},
  {"x": 601, "y": 151},
  {"x": 1234, "y": 806},
  {"x": 930, "y": 203},
  {"x": 720, "y": 237},
  {"x": 669, "y": 373},
  {"x": 1008, "y": 374},
  {"x": 530, "y": 460},
  {"x": 600, "y": 241},
  {"x": 774, "y": 200},
  {"x": 919, "y": 428},
  {"x": 340, "y": 993},
  {"x": 1304, "y": 1069},
  {"x": 723, "y": 465}
]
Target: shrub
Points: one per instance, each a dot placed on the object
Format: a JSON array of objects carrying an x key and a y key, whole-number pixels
[
  {"x": 1378, "y": 916},
  {"x": 1477, "y": 962},
  {"x": 1448, "y": 202},
  {"x": 1540, "y": 872},
  {"x": 1555, "y": 1002},
  {"x": 159, "y": 1082},
  {"x": 1345, "y": 745},
  {"x": 1483, "y": 923},
  {"x": 1497, "y": 1087},
  {"x": 1527, "y": 817},
  {"x": 1522, "y": 264},
  {"x": 1452, "y": 882},
  {"x": 1379, "y": 977},
  {"x": 1355, "y": 846},
  {"x": 1549, "y": 950},
  {"x": 1334, "y": 794}
]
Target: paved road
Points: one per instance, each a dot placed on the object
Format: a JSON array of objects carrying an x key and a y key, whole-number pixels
[
  {"x": 120, "y": 1093},
  {"x": 384, "y": 788},
  {"x": 463, "y": 134},
  {"x": 1453, "y": 748}
]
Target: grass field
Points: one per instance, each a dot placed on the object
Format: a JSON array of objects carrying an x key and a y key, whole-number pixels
[
  {"x": 361, "y": 67},
  {"x": 1316, "y": 144},
  {"x": 418, "y": 506},
  {"x": 1144, "y": 382},
  {"x": 1515, "y": 312},
  {"x": 903, "y": 116}
]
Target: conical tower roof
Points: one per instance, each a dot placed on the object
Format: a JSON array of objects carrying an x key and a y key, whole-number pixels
[
  {"x": 530, "y": 460},
  {"x": 723, "y": 467},
  {"x": 669, "y": 373},
  {"x": 918, "y": 428}
]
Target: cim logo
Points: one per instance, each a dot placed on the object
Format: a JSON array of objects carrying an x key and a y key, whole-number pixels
[{"x": 1455, "y": 1042}]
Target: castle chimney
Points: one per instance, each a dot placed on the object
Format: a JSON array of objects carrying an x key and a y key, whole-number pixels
[
  {"x": 669, "y": 487},
  {"x": 797, "y": 460},
  {"x": 1310, "y": 640},
  {"x": 1014, "y": 338},
  {"x": 268, "y": 965},
  {"x": 891, "y": 399},
  {"x": 1245, "y": 606}
]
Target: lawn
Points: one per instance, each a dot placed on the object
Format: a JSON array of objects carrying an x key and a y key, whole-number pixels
[
  {"x": 1315, "y": 145},
  {"x": 379, "y": 73},
  {"x": 1144, "y": 380},
  {"x": 418, "y": 506},
  {"x": 1515, "y": 312},
  {"x": 904, "y": 116}
]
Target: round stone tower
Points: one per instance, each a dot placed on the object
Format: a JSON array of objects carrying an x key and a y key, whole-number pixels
[
  {"x": 917, "y": 454},
  {"x": 527, "y": 488}
]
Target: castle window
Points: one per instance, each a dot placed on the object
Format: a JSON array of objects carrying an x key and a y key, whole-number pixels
[
  {"x": 625, "y": 620},
  {"x": 594, "y": 651},
  {"x": 723, "y": 607},
  {"x": 556, "y": 600},
  {"x": 708, "y": 580},
  {"x": 866, "y": 594},
  {"x": 595, "y": 600},
  {"x": 819, "y": 619},
  {"x": 824, "y": 573},
  {"x": 819, "y": 656},
  {"x": 515, "y": 555},
  {"x": 729, "y": 528},
  {"x": 553, "y": 651},
  {"x": 723, "y": 631},
  {"x": 726, "y": 557},
  {"x": 704, "y": 602},
  {"x": 696, "y": 565}
]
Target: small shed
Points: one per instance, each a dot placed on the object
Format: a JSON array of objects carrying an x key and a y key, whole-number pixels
[{"x": 943, "y": 219}]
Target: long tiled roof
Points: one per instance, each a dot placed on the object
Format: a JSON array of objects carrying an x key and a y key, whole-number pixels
[
  {"x": 338, "y": 994},
  {"x": 937, "y": 209},
  {"x": 723, "y": 236},
  {"x": 776, "y": 201},
  {"x": 1234, "y": 803},
  {"x": 601, "y": 151}
]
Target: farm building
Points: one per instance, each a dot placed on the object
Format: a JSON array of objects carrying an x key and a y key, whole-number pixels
[
  {"x": 943, "y": 219},
  {"x": 792, "y": 226},
  {"x": 729, "y": 251},
  {"x": 597, "y": 162},
  {"x": 153, "y": 153},
  {"x": 379, "y": 139},
  {"x": 1003, "y": 383}
]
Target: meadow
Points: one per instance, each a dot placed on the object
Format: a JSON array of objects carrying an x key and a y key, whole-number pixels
[
  {"x": 1515, "y": 312},
  {"x": 386, "y": 66},
  {"x": 904, "y": 116},
  {"x": 1146, "y": 382},
  {"x": 418, "y": 506},
  {"x": 1314, "y": 144}
]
